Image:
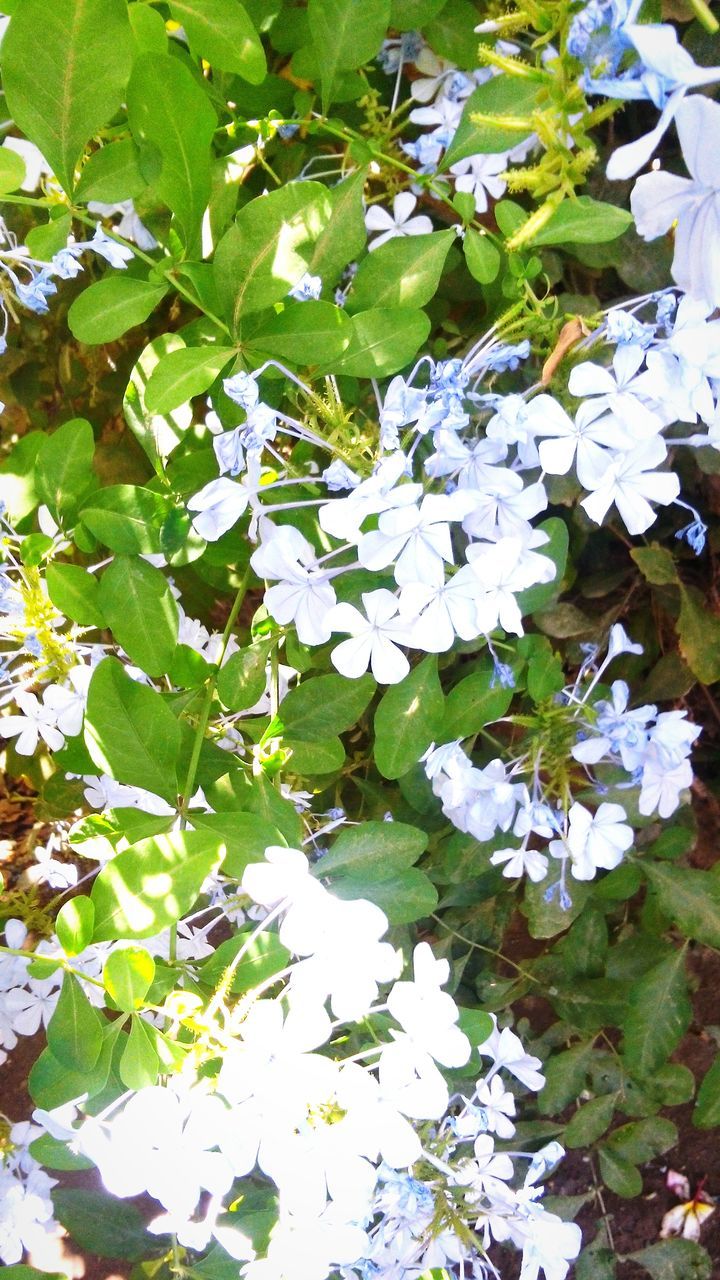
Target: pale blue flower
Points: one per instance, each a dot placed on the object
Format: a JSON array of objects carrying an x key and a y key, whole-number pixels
[
  {"x": 118, "y": 255},
  {"x": 308, "y": 288}
]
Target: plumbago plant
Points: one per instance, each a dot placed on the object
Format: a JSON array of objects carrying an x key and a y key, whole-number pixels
[{"x": 309, "y": 426}]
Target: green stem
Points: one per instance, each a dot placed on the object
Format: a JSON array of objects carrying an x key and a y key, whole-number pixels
[
  {"x": 705, "y": 16},
  {"x": 43, "y": 203},
  {"x": 200, "y": 730},
  {"x": 61, "y": 964},
  {"x": 489, "y": 950},
  {"x": 206, "y": 708}
]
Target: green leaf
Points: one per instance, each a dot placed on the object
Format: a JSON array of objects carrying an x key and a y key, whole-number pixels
[
  {"x": 342, "y": 40},
  {"x": 451, "y": 33},
  {"x": 130, "y": 732},
  {"x": 547, "y": 918},
  {"x": 325, "y": 705},
  {"x": 596, "y": 1262},
  {"x": 63, "y": 469},
  {"x": 656, "y": 564},
  {"x": 258, "y": 260},
  {"x": 128, "y": 975},
  {"x": 242, "y": 679},
  {"x": 140, "y": 609},
  {"x": 105, "y": 1226},
  {"x": 75, "y": 592},
  {"x": 107, "y": 309},
  {"x": 404, "y": 898},
  {"x": 674, "y": 1260},
  {"x": 303, "y": 333},
  {"x": 139, "y": 1062},
  {"x": 404, "y": 272},
  {"x": 408, "y": 718},
  {"x": 246, "y": 836},
  {"x": 642, "y": 1140},
  {"x": 659, "y": 1013},
  {"x": 699, "y": 632},
  {"x": 22, "y": 1272},
  {"x": 373, "y": 849},
  {"x": 153, "y": 883},
  {"x": 481, "y": 256},
  {"x": 12, "y": 170},
  {"x": 75, "y": 1031},
  {"x": 502, "y": 95},
  {"x": 128, "y": 518},
  {"x": 74, "y": 924},
  {"x": 64, "y": 68},
  {"x": 264, "y": 956},
  {"x": 582, "y": 220},
  {"x": 585, "y": 947},
  {"x": 382, "y": 341},
  {"x": 619, "y": 1175},
  {"x": 47, "y": 238},
  {"x": 157, "y": 434},
  {"x": 221, "y": 32},
  {"x": 316, "y": 757},
  {"x": 590, "y": 1003},
  {"x": 688, "y": 897},
  {"x": 52, "y": 1083},
  {"x": 182, "y": 374},
  {"x": 565, "y": 1077},
  {"x": 345, "y": 236},
  {"x": 18, "y": 476},
  {"x": 54, "y": 1154},
  {"x": 112, "y": 174},
  {"x": 409, "y": 15},
  {"x": 590, "y": 1122},
  {"x": 148, "y": 28},
  {"x": 171, "y": 116},
  {"x": 707, "y": 1108},
  {"x": 473, "y": 703}
]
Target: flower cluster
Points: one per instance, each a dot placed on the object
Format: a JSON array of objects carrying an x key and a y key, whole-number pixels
[
  {"x": 26, "y": 1210},
  {"x": 25, "y": 280},
  {"x": 651, "y": 747},
  {"x": 378, "y": 1169}
]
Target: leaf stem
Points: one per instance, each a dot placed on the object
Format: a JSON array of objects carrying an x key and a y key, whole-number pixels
[{"x": 204, "y": 716}]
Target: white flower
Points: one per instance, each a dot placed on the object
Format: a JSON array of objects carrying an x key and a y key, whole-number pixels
[
  {"x": 427, "y": 1014},
  {"x": 631, "y": 482},
  {"x": 506, "y": 1050},
  {"x": 436, "y": 614},
  {"x": 502, "y": 569},
  {"x": 303, "y": 595},
  {"x": 220, "y": 504},
  {"x": 585, "y": 441},
  {"x": 662, "y": 783},
  {"x": 397, "y": 223},
  {"x": 522, "y": 861},
  {"x": 37, "y": 721},
  {"x": 594, "y": 840},
  {"x": 346, "y": 959},
  {"x": 479, "y": 177},
  {"x": 619, "y": 392},
  {"x": 549, "y": 1245},
  {"x": 417, "y": 539},
  {"x": 343, "y": 517},
  {"x": 161, "y": 1142},
  {"x": 69, "y": 704},
  {"x": 498, "y": 1104},
  {"x": 660, "y": 199},
  {"x": 375, "y": 638}
]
